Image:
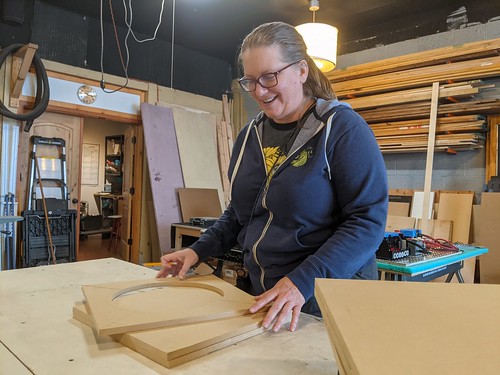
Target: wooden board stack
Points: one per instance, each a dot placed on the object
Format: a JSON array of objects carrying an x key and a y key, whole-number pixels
[
  {"x": 392, "y": 94},
  {"x": 225, "y": 145},
  {"x": 170, "y": 321}
]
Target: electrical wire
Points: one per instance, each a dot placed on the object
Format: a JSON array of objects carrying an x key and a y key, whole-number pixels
[
  {"x": 125, "y": 64},
  {"x": 129, "y": 23},
  {"x": 438, "y": 243},
  {"x": 42, "y": 90},
  {"x": 103, "y": 83}
]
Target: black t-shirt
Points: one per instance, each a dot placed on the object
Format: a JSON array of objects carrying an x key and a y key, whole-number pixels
[{"x": 277, "y": 139}]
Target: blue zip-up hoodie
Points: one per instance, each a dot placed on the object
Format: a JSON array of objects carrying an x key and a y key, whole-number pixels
[{"x": 321, "y": 215}]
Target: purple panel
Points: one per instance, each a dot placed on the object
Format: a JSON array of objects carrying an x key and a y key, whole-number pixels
[{"x": 164, "y": 168}]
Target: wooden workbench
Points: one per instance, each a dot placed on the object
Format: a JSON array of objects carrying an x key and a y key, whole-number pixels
[{"x": 38, "y": 335}]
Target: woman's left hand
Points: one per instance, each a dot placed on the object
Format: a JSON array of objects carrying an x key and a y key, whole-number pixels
[{"x": 286, "y": 298}]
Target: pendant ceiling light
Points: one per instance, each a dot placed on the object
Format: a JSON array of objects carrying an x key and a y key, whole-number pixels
[{"x": 320, "y": 39}]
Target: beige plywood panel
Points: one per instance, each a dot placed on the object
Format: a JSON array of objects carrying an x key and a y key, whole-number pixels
[
  {"x": 438, "y": 229},
  {"x": 489, "y": 236},
  {"x": 172, "y": 346},
  {"x": 197, "y": 140},
  {"x": 394, "y": 223},
  {"x": 457, "y": 208},
  {"x": 196, "y": 202},
  {"x": 138, "y": 305},
  {"x": 399, "y": 208},
  {"x": 413, "y": 328}
]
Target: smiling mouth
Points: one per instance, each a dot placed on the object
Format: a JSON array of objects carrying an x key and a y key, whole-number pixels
[{"x": 267, "y": 101}]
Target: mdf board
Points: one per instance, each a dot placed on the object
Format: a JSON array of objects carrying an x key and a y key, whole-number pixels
[
  {"x": 412, "y": 328},
  {"x": 195, "y": 202},
  {"x": 488, "y": 235},
  {"x": 399, "y": 208},
  {"x": 438, "y": 229},
  {"x": 172, "y": 346},
  {"x": 164, "y": 168},
  {"x": 138, "y": 305},
  {"x": 197, "y": 139},
  {"x": 395, "y": 223},
  {"x": 457, "y": 207}
]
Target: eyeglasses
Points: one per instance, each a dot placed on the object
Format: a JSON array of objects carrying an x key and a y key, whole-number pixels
[{"x": 267, "y": 80}]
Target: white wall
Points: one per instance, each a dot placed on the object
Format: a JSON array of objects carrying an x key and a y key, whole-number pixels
[{"x": 94, "y": 132}]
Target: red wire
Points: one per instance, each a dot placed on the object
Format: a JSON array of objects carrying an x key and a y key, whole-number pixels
[
  {"x": 438, "y": 243},
  {"x": 116, "y": 35}
]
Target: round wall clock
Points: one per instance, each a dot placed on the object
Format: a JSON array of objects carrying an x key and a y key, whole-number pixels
[{"x": 86, "y": 94}]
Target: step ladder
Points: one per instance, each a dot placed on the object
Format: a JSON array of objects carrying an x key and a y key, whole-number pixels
[
  {"x": 48, "y": 168},
  {"x": 49, "y": 226}
]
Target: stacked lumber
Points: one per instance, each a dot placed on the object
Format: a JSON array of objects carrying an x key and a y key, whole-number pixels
[
  {"x": 225, "y": 145},
  {"x": 394, "y": 96}
]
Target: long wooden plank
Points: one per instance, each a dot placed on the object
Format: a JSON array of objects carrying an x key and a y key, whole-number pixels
[
  {"x": 421, "y": 110},
  {"x": 414, "y": 60},
  {"x": 409, "y": 96},
  {"x": 457, "y": 71}
]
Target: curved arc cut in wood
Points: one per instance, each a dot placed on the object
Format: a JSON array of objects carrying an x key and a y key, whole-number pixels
[{"x": 166, "y": 283}]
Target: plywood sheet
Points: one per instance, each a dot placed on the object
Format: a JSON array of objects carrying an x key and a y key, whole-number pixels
[
  {"x": 457, "y": 208},
  {"x": 438, "y": 229},
  {"x": 196, "y": 202},
  {"x": 425, "y": 327},
  {"x": 172, "y": 346},
  {"x": 488, "y": 235},
  {"x": 138, "y": 305},
  {"x": 394, "y": 223},
  {"x": 197, "y": 139},
  {"x": 399, "y": 208},
  {"x": 417, "y": 205},
  {"x": 164, "y": 168}
]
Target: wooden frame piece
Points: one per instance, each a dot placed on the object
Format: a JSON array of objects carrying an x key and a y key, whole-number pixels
[
  {"x": 172, "y": 346},
  {"x": 123, "y": 307},
  {"x": 21, "y": 63}
]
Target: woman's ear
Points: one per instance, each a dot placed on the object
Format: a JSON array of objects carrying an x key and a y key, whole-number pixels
[{"x": 304, "y": 71}]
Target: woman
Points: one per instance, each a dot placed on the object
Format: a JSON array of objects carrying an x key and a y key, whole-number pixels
[{"x": 308, "y": 183}]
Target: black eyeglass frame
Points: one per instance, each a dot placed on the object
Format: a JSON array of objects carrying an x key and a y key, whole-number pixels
[{"x": 255, "y": 81}]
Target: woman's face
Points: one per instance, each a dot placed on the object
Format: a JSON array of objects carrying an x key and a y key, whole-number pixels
[{"x": 284, "y": 102}]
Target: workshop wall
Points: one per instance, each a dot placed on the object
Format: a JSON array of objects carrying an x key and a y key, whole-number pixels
[{"x": 51, "y": 27}]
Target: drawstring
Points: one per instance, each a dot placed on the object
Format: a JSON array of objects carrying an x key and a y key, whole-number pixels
[
  {"x": 328, "y": 129},
  {"x": 238, "y": 161}
]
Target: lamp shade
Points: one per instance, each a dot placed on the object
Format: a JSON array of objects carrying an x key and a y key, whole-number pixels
[{"x": 321, "y": 42}]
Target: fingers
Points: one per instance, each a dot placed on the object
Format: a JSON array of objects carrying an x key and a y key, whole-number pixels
[{"x": 177, "y": 263}]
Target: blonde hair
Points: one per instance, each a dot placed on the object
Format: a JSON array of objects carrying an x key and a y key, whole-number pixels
[{"x": 293, "y": 48}]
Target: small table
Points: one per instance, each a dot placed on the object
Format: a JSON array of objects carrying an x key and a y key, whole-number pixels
[
  {"x": 426, "y": 271},
  {"x": 184, "y": 229}
]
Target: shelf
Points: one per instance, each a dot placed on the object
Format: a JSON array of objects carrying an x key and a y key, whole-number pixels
[{"x": 113, "y": 163}]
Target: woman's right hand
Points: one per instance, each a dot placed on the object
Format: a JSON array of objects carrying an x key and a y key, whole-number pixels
[{"x": 177, "y": 263}]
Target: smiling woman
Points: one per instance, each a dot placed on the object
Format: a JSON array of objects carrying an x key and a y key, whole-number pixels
[{"x": 308, "y": 183}]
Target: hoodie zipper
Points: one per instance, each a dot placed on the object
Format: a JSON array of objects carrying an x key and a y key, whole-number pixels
[{"x": 271, "y": 215}]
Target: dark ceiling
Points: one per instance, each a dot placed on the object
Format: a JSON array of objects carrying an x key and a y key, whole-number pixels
[{"x": 216, "y": 27}]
